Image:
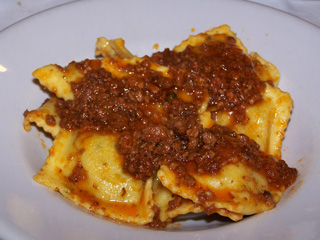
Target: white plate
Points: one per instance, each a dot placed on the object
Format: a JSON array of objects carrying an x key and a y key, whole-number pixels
[{"x": 30, "y": 211}]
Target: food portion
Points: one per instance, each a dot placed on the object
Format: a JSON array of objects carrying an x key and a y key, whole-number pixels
[
  {"x": 146, "y": 139},
  {"x": 227, "y": 174}
]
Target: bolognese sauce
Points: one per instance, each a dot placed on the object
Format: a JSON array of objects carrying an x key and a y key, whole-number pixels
[{"x": 157, "y": 126}]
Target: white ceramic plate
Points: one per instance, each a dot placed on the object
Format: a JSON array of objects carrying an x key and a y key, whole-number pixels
[{"x": 30, "y": 211}]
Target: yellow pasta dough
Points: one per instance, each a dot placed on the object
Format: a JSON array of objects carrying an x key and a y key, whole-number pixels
[{"x": 139, "y": 139}]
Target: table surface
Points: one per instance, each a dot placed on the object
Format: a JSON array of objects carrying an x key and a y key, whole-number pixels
[{"x": 12, "y": 11}]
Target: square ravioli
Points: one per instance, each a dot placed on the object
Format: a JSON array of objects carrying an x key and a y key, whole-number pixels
[{"x": 145, "y": 139}]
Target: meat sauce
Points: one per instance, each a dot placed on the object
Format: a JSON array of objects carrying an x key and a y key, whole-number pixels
[{"x": 157, "y": 127}]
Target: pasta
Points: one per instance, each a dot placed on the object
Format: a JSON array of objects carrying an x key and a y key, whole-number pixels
[{"x": 146, "y": 139}]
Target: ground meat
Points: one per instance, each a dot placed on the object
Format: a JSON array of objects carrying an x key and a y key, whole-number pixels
[
  {"x": 50, "y": 120},
  {"x": 156, "y": 222},
  {"x": 157, "y": 127},
  {"x": 175, "y": 203},
  {"x": 145, "y": 149},
  {"x": 219, "y": 67},
  {"x": 227, "y": 147},
  {"x": 205, "y": 196},
  {"x": 78, "y": 174}
]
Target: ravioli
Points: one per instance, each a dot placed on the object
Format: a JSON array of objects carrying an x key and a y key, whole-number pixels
[
  {"x": 267, "y": 121},
  {"x": 171, "y": 205},
  {"x": 227, "y": 179},
  {"x": 146, "y": 139},
  {"x": 86, "y": 169},
  {"x": 41, "y": 115},
  {"x": 267, "y": 118}
]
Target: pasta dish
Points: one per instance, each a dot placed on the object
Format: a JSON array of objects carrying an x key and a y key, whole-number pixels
[{"x": 146, "y": 139}]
